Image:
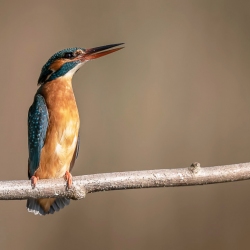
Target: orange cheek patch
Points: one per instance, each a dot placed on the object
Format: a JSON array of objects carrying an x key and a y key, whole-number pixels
[{"x": 57, "y": 64}]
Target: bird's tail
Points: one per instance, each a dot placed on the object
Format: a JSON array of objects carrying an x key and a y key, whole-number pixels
[{"x": 46, "y": 206}]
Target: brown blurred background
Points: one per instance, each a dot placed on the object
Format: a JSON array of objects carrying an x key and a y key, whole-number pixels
[{"x": 178, "y": 93}]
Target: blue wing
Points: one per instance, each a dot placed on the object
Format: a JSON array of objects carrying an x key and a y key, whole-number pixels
[{"x": 38, "y": 119}]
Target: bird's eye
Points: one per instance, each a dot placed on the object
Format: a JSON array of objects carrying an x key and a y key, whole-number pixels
[{"x": 68, "y": 55}]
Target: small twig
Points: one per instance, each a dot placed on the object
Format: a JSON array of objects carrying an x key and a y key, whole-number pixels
[{"x": 193, "y": 175}]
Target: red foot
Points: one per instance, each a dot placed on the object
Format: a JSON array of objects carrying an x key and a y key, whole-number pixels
[
  {"x": 68, "y": 178},
  {"x": 34, "y": 180}
]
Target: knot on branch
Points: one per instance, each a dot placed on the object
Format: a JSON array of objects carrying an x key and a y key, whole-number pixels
[
  {"x": 195, "y": 167},
  {"x": 76, "y": 192}
]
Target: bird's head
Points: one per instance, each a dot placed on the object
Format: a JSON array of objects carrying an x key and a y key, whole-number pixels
[{"x": 66, "y": 62}]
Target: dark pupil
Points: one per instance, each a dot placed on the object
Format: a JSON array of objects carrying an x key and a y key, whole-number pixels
[{"x": 68, "y": 55}]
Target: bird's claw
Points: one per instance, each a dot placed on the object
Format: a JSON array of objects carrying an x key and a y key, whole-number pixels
[
  {"x": 68, "y": 179},
  {"x": 34, "y": 180}
]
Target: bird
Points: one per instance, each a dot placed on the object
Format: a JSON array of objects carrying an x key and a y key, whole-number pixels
[{"x": 53, "y": 123}]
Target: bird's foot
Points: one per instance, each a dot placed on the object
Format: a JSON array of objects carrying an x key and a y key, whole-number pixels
[
  {"x": 34, "y": 180},
  {"x": 68, "y": 178}
]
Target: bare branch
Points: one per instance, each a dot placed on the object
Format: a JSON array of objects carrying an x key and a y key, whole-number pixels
[{"x": 193, "y": 175}]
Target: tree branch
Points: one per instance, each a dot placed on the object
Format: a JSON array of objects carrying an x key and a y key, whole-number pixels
[{"x": 193, "y": 175}]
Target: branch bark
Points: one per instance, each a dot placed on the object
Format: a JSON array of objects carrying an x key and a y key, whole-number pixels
[{"x": 193, "y": 175}]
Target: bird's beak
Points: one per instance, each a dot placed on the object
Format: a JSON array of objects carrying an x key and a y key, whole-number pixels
[{"x": 97, "y": 52}]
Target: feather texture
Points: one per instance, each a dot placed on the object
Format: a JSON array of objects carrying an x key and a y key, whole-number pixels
[{"x": 53, "y": 125}]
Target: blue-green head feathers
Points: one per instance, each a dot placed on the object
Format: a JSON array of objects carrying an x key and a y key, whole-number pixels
[{"x": 63, "y": 62}]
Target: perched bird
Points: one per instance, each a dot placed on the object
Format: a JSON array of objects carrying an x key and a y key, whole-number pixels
[{"x": 53, "y": 123}]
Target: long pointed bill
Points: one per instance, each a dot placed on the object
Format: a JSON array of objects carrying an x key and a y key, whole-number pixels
[{"x": 97, "y": 52}]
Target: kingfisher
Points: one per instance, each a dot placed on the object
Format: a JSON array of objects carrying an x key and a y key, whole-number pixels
[{"x": 53, "y": 123}]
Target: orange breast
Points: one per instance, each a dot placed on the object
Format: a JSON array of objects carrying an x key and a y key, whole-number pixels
[{"x": 63, "y": 128}]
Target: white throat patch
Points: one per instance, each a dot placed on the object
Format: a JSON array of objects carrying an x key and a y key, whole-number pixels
[{"x": 70, "y": 73}]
